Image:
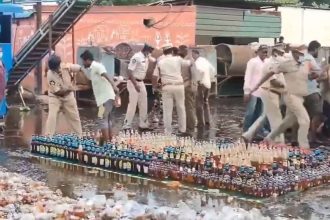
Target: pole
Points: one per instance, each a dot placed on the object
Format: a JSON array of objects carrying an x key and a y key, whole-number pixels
[
  {"x": 38, "y": 70},
  {"x": 73, "y": 45},
  {"x": 50, "y": 36}
]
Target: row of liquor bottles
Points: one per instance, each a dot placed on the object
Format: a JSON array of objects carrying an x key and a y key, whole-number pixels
[
  {"x": 183, "y": 151},
  {"x": 260, "y": 180}
]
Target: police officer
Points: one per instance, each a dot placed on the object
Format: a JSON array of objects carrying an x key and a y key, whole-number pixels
[
  {"x": 296, "y": 78},
  {"x": 172, "y": 88},
  {"x": 270, "y": 96},
  {"x": 190, "y": 84},
  {"x": 137, "y": 70},
  {"x": 60, "y": 79}
]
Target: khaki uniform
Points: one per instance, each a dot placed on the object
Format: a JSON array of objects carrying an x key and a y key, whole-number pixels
[
  {"x": 67, "y": 104},
  {"x": 271, "y": 103},
  {"x": 138, "y": 65},
  {"x": 190, "y": 90},
  {"x": 172, "y": 90},
  {"x": 296, "y": 78}
]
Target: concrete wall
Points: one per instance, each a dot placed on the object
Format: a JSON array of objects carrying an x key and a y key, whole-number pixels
[{"x": 302, "y": 25}]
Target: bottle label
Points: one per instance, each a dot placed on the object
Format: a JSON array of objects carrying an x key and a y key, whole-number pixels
[
  {"x": 47, "y": 150},
  {"x": 120, "y": 164},
  {"x": 128, "y": 166},
  {"x": 145, "y": 169},
  {"x": 85, "y": 158},
  {"x": 38, "y": 148},
  {"x": 101, "y": 162},
  {"x": 42, "y": 149},
  {"x": 62, "y": 153},
  {"x": 106, "y": 163},
  {"x": 138, "y": 167},
  {"x": 71, "y": 155},
  {"x": 58, "y": 152},
  {"x": 94, "y": 160}
]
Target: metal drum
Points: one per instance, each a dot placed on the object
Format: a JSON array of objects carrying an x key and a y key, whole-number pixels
[{"x": 232, "y": 59}]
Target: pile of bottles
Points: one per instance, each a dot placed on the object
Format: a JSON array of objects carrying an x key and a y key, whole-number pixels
[{"x": 256, "y": 170}]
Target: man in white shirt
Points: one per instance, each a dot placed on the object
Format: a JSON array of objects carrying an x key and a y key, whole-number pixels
[
  {"x": 204, "y": 70},
  {"x": 253, "y": 74},
  {"x": 137, "y": 70},
  {"x": 105, "y": 91},
  {"x": 270, "y": 96},
  {"x": 169, "y": 70}
]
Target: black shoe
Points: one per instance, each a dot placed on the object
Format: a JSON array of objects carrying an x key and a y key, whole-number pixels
[
  {"x": 146, "y": 129},
  {"x": 294, "y": 144},
  {"x": 182, "y": 134}
]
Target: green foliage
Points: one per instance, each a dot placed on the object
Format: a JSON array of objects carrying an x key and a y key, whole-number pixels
[{"x": 315, "y": 2}]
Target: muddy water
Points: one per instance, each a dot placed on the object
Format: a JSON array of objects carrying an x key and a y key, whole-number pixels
[{"x": 77, "y": 181}]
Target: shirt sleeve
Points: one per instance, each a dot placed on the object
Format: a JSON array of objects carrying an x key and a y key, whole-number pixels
[
  {"x": 75, "y": 68},
  {"x": 156, "y": 71},
  {"x": 185, "y": 62},
  {"x": 248, "y": 77},
  {"x": 133, "y": 63},
  {"x": 100, "y": 69}
]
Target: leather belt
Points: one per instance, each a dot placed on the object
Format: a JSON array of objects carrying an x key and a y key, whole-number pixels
[
  {"x": 61, "y": 96},
  {"x": 173, "y": 84},
  {"x": 271, "y": 90}
]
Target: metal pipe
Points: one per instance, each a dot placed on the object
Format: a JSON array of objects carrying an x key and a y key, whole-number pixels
[
  {"x": 50, "y": 34},
  {"x": 38, "y": 70}
]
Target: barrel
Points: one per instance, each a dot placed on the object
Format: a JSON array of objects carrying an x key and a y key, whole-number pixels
[
  {"x": 232, "y": 59},
  {"x": 125, "y": 51}
]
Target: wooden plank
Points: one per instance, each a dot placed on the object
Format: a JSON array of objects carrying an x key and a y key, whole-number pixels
[
  {"x": 270, "y": 19},
  {"x": 236, "y": 23},
  {"x": 238, "y": 34},
  {"x": 241, "y": 28},
  {"x": 220, "y": 17}
]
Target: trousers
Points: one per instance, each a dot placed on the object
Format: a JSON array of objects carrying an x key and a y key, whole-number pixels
[
  {"x": 272, "y": 111},
  {"x": 253, "y": 111},
  {"x": 70, "y": 109},
  {"x": 295, "y": 112},
  {"x": 190, "y": 104},
  {"x": 171, "y": 94},
  {"x": 202, "y": 105},
  {"x": 139, "y": 99}
]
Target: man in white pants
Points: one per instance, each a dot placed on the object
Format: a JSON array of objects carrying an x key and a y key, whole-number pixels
[
  {"x": 270, "y": 95},
  {"x": 137, "y": 70},
  {"x": 169, "y": 70},
  {"x": 296, "y": 79}
]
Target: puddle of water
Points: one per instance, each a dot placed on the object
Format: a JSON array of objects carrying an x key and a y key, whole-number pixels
[{"x": 77, "y": 181}]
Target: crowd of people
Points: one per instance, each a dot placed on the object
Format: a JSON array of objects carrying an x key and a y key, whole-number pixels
[
  {"x": 180, "y": 77},
  {"x": 280, "y": 76},
  {"x": 291, "y": 78}
]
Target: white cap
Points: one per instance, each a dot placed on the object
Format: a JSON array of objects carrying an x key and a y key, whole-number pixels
[{"x": 254, "y": 46}]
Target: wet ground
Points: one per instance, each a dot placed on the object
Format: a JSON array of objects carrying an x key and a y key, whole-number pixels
[{"x": 77, "y": 181}]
